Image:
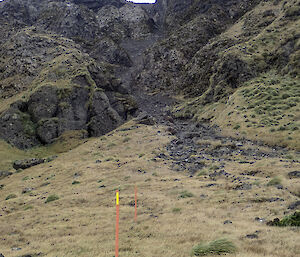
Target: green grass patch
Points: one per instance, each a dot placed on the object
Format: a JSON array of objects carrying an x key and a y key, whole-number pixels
[
  {"x": 28, "y": 207},
  {"x": 216, "y": 247},
  {"x": 186, "y": 194},
  {"x": 176, "y": 210},
  {"x": 51, "y": 198}
]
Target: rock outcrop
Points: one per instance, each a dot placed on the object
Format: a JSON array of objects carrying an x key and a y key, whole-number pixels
[{"x": 56, "y": 66}]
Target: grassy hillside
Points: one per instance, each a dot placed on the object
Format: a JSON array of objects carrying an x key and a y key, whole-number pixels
[
  {"x": 266, "y": 108},
  {"x": 175, "y": 211},
  {"x": 249, "y": 76}
]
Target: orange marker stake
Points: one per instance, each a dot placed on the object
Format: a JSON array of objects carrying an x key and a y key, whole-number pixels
[
  {"x": 135, "y": 201},
  {"x": 117, "y": 224}
]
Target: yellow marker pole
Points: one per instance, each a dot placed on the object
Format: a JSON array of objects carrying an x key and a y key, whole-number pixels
[{"x": 117, "y": 224}]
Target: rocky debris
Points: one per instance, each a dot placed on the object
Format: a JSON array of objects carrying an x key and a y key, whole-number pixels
[
  {"x": 294, "y": 174},
  {"x": 294, "y": 205},
  {"x": 145, "y": 118},
  {"x": 16, "y": 248},
  {"x": 4, "y": 174},
  {"x": 261, "y": 220},
  {"x": 273, "y": 222},
  {"x": 252, "y": 236},
  {"x": 27, "y": 163},
  {"x": 95, "y": 5},
  {"x": 27, "y": 189},
  {"x": 243, "y": 186}
]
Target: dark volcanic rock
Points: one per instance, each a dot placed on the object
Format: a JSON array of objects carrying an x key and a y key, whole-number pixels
[
  {"x": 145, "y": 118},
  {"x": 18, "y": 129},
  {"x": 4, "y": 174},
  {"x": 25, "y": 164},
  {"x": 252, "y": 236},
  {"x": 294, "y": 174},
  {"x": 43, "y": 103},
  {"x": 100, "y": 3},
  {"x": 294, "y": 205}
]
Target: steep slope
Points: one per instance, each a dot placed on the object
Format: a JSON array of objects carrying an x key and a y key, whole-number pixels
[{"x": 218, "y": 49}]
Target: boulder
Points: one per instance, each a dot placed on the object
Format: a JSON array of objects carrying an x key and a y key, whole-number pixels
[
  {"x": 294, "y": 174},
  {"x": 27, "y": 163},
  {"x": 4, "y": 174}
]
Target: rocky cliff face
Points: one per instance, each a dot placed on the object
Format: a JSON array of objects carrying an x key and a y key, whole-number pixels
[
  {"x": 56, "y": 70},
  {"x": 212, "y": 47},
  {"x": 58, "y": 58}
]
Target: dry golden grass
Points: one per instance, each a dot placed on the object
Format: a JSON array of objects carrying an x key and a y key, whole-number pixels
[{"x": 81, "y": 222}]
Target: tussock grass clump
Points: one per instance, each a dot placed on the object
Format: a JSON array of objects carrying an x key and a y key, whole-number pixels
[
  {"x": 11, "y": 196},
  {"x": 218, "y": 246},
  {"x": 51, "y": 198},
  {"x": 186, "y": 194},
  {"x": 274, "y": 181}
]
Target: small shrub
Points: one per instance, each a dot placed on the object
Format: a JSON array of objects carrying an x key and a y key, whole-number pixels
[
  {"x": 236, "y": 127},
  {"x": 216, "y": 247},
  {"x": 274, "y": 181},
  {"x": 75, "y": 182},
  {"x": 51, "y": 198},
  {"x": 185, "y": 194},
  {"x": 11, "y": 196},
  {"x": 290, "y": 220}
]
